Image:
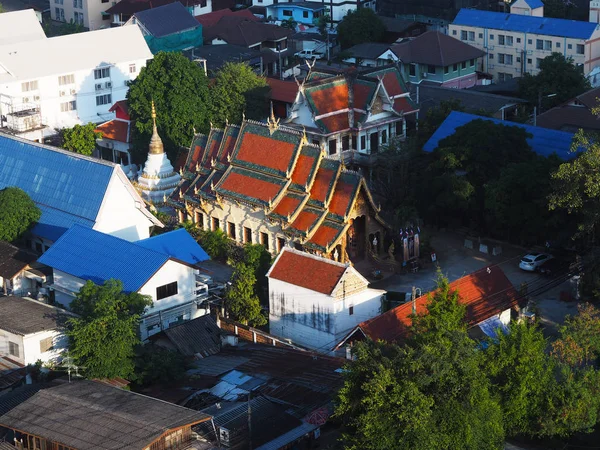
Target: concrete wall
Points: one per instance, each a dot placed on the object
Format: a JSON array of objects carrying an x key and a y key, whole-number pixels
[
  {"x": 29, "y": 346},
  {"x": 170, "y": 272}
]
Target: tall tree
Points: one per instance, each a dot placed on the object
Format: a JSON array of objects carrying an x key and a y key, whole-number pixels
[
  {"x": 237, "y": 90},
  {"x": 104, "y": 337},
  {"x": 18, "y": 213},
  {"x": 241, "y": 299},
  {"x": 358, "y": 26},
  {"x": 80, "y": 139},
  {"x": 179, "y": 89}
]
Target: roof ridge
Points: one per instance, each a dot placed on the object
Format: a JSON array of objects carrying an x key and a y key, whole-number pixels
[{"x": 316, "y": 258}]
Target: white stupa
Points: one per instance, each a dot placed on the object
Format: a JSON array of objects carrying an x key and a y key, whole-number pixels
[{"x": 158, "y": 179}]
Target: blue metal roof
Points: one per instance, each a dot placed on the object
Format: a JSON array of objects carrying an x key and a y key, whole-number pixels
[
  {"x": 178, "y": 244},
  {"x": 533, "y": 4},
  {"x": 92, "y": 255},
  {"x": 53, "y": 223},
  {"x": 63, "y": 181},
  {"x": 543, "y": 141},
  {"x": 168, "y": 19},
  {"x": 525, "y": 24},
  {"x": 313, "y": 6}
]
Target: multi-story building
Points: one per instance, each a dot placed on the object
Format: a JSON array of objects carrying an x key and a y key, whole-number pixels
[
  {"x": 124, "y": 10},
  {"x": 52, "y": 83},
  {"x": 516, "y": 43},
  {"x": 336, "y": 9},
  {"x": 90, "y": 14}
]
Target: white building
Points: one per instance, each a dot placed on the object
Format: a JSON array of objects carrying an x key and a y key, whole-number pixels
[
  {"x": 336, "y": 9},
  {"x": 20, "y": 26},
  {"x": 90, "y": 14},
  {"x": 31, "y": 331},
  {"x": 315, "y": 301},
  {"x": 163, "y": 267},
  {"x": 516, "y": 43},
  {"x": 52, "y": 83}
]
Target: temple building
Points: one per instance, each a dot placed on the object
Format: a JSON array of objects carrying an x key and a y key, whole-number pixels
[
  {"x": 158, "y": 179},
  {"x": 267, "y": 184}
]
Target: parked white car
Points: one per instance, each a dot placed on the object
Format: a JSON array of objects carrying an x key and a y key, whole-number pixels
[
  {"x": 309, "y": 54},
  {"x": 533, "y": 261}
]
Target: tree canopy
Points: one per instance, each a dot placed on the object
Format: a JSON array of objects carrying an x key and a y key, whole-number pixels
[
  {"x": 558, "y": 80},
  {"x": 80, "y": 139},
  {"x": 179, "y": 89},
  {"x": 241, "y": 299},
  {"x": 358, "y": 26},
  {"x": 104, "y": 337},
  {"x": 18, "y": 213}
]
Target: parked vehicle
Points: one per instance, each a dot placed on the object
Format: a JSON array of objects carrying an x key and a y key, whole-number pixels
[
  {"x": 533, "y": 261},
  {"x": 562, "y": 265},
  {"x": 309, "y": 54}
]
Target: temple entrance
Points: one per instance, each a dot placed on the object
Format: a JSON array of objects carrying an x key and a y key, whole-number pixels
[
  {"x": 375, "y": 243},
  {"x": 356, "y": 238}
]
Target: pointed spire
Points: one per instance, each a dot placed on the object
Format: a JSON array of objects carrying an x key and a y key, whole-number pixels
[
  {"x": 272, "y": 122},
  {"x": 156, "y": 144}
]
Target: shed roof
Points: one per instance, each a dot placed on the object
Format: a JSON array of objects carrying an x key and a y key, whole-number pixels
[
  {"x": 543, "y": 141},
  {"x": 167, "y": 19},
  {"x": 12, "y": 373},
  {"x": 22, "y": 316},
  {"x": 90, "y": 415},
  {"x": 283, "y": 91},
  {"x": 525, "y": 24},
  {"x": 115, "y": 129},
  {"x": 200, "y": 336},
  {"x": 178, "y": 244},
  {"x": 20, "y": 26},
  {"x": 13, "y": 260},
  {"x": 436, "y": 49}
]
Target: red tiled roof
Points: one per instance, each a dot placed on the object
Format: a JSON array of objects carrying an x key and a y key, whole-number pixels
[
  {"x": 484, "y": 293},
  {"x": 362, "y": 94},
  {"x": 116, "y": 130},
  {"x": 210, "y": 19},
  {"x": 321, "y": 186},
  {"x": 337, "y": 122},
  {"x": 227, "y": 148},
  {"x": 304, "y": 168},
  {"x": 342, "y": 198},
  {"x": 305, "y": 221},
  {"x": 195, "y": 157},
  {"x": 310, "y": 272},
  {"x": 266, "y": 151},
  {"x": 402, "y": 104},
  {"x": 324, "y": 236},
  {"x": 250, "y": 186},
  {"x": 329, "y": 99},
  {"x": 213, "y": 149},
  {"x": 392, "y": 85},
  {"x": 283, "y": 91},
  {"x": 288, "y": 205}
]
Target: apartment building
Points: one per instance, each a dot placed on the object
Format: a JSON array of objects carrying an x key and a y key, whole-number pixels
[
  {"x": 90, "y": 14},
  {"x": 336, "y": 9},
  {"x": 51, "y": 83},
  {"x": 517, "y": 42}
]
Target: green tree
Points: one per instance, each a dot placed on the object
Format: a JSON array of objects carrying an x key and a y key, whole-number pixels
[
  {"x": 558, "y": 80},
  {"x": 241, "y": 299},
  {"x": 1, "y": 8},
  {"x": 259, "y": 259},
  {"x": 104, "y": 337},
  {"x": 435, "y": 117},
  {"x": 179, "y": 89},
  {"x": 321, "y": 24},
  {"x": 157, "y": 365},
  {"x": 81, "y": 138},
  {"x": 358, "y": 26},
  {"x": 215, "y": 243},
  {"x": 579, "y": 343},
  {"x": 237, "y": 90},
  {"x": 18, "y": 213}
]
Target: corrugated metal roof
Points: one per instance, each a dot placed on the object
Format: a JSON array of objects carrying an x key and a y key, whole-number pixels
[
  {"x": 543, "y": 141},
  {"x": 53, "y": 223},
  {"x": 178, "y": 244},
  {"x": 289, "y": 437},
  {"x": 167, "y": 19},
  {"x": 533, "y": 4},
  {"x": 525, "y": 24},
  {"x": 199, "y": 336},
  {"x": 92, "y": 255}
]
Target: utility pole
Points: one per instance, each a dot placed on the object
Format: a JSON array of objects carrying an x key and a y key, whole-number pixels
[
  {"x": 249, "y": 421},
  {"x": 414, "y": 300}
]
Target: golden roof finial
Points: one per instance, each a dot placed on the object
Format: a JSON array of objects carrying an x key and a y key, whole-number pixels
[
  {"x": 304, "y": 139},
  {"x": 165, "y": 197},
  {"x": 272, "y": 122},
  {"x": 156, "y": 144}
]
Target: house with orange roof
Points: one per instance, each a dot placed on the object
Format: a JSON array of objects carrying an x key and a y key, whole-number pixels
[
  {"x": 314, "y": 301},
  {"x": 353, "y": 115},
  {"x": 267, "y": 184},
  {"x": 488, "y": 295},
  {"x": 114, "y": 143}
]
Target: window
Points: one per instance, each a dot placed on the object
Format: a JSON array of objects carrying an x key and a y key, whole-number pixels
[
  {"x": 538, "y": 61},
  {"x": 287, "y": 13},
  {"x": 455, "y": 67},
  {"x": 508, "y": 60},
  {"x": 363, "y": 142},
  {"x": 105, "y": 99},
  {"x": 132, "y": 68},
  {"x": 68, "y": 106},
  {"x": 471, "y": 35},
  {"x": 166, "y": 290},
  {"x": 102, "y": 73},
  {"x": 247, "y": 235},
  {"x": 529, "y": 61},
  {"x": 491, "y": 56},
  {"x": 500, "y": 58},
  {"x": 199, "y": 217},
  {"x": 463, "y": 65},
  {"x": 78, "y": 18},
  {"x": 384, "y": 137},
  {"x": 509, "y": 40},
  {"x": 518, "y": 59},
  {"x": 215, "y": 224},
  {"x": 570, "y": 46},
  {"x": 280, "y": 244},
  {"x": 412, "y": 70},
  {"x": 501, "y": 39},
  {"x": 431, "y": 69},
  {"x": 13, "y": 349},
  {"x": 66, "y": 79},
  {"x": 29, "y": 86},
  {"x": 480, "y": 35},
  {"x": 547, "y": 45},
  {"x": 46, "y": 344},
  {"x": 472, "y": 63},
  {"x": 500, "y": 77},
  {"x": 346, "y": 142},
  {"x": 231, "y": 230},
  {"x": 446, "y": 69},
  {"x": 580, "y": 50},
  {"x": 453, "y": 32},
  {"x": 518, "y": 40},
  {"x": 60, "y": 14},
  {"x": 463, "y": 35},
  {"x": 558, "y": 45},
  {"x": 491, "y": 37},
  {"x": 539, "y": 44},
  {"x": 305, "y": 14},
  {"x": 351, "y": 311},
  {"x": 264, "y": 240},
  {"x": 529, "y": 41},
  {"x": 332, "y": 146}
]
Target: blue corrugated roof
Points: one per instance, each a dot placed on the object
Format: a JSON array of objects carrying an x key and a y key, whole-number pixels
[
  {"x": 92, "y": 255},
  {"x": 543, "y": 141},
  {"x": 53, "y": 223},
  {"x": 178, "y": 244},
  {"x": 167, "y": 19},
  {"x": 65, "y": 182},
  {"x": 525, "y": 24},
  {"x": 533, "y": 4}
]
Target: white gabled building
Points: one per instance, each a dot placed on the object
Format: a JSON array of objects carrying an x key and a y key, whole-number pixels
[
  {"x": 20, "y": 26},
  {"x": 316, "y": 301},
  {"x": 52, "y": 83}
]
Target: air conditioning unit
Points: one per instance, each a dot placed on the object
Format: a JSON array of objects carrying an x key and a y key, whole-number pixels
[
  {"x": 108, "y": 85},
  {"x": 99, "y": 86},
  {"x": 25, "y": 99},
  {"x": 36, "y": 98},
  {"x": 73, "y": 92},
  {"x": 62, "y": 93}
]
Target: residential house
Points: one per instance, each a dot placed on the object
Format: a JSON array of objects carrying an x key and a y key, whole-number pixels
[
  {"x": 163, "y": 267},
  {"x": 20, "y": 26},
  {"x": 353, "y": 115},
  {"x": 315, "y": 301},
  {"x": 368, "y": 54},
  {"x": 116, "y": 134},
  {"x": 70, "y": 188},
  {"x": 200, "y": 337},
  {"x": 122, "y": 11},
  {"x": 169, "y": 27},
  {"x": 31, "y": 330},
  {"x": 68, "y": 84},
  {"x": 573, "y": 115},
  {"x": 396, "y": 29},
  {"x": 17, "y": 277},
  {"x": 305, "y": 12},
  {"x": 282, "y": 95},
  {"x": 488, "y": 295},
  {"x": 336, "y": 9},
  {"x": 516, "y": 44},
  {"x": 84, "y": 415},
  {"x": 542, "y": 141},
  {"x": 211, "y": 19},
  {"x": 528, "y": 8},
  {"x": 12, "y": 375},
  {"x": 214, "y": 57},
  {"x": 267, "y": 184}
]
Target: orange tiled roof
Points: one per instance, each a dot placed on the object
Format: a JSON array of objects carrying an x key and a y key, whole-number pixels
[
  {"x": 240, "y": 181},
  {"x": 266, "y": 152},
  {"x": 326, "y": 235},
  {"x": 306, "y": 166},
  {"x": 116, "y": 130},
  {"x": 288, "y": 205},
  {"x": 324, "y": 181},
  {"x": 317, "y": 274},
  {"x": 346, "y": 190},
  {"x": 336, "y": 122},
  {"x": 307, "y": 219},
  {"x": 332, "y": 97},
  {"x": 404, "y": 105}
]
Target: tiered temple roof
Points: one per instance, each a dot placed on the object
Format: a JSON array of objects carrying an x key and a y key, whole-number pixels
[{"x": 274, "y": 169}]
